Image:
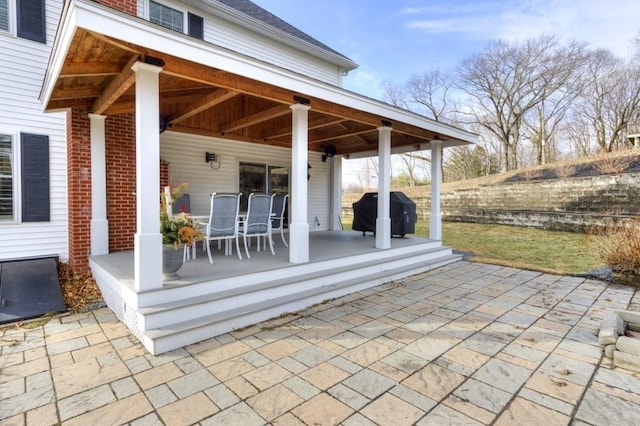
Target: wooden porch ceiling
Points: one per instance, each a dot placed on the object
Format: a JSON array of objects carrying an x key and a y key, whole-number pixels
[{"x": 206, "y": 101}]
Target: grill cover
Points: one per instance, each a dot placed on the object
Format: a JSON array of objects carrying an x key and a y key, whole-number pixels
[{"x": 403, "y": 214}]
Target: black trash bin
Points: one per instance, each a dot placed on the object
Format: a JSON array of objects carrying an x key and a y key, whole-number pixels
[{"x": 402, "y": 213}]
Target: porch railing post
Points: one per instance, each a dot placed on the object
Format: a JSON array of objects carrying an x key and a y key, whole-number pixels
[
  {"x": 99, "y": 222},
  {"x": 148, "y": 241},
  {"x": 299, "y": 227},
  {"x": 435, "y": 218},
  {"x": 383, "y": 221},
  {"x": 336, "y": 193}
]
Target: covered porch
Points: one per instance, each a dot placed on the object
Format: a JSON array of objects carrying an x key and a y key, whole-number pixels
[
  {"x": 211, "y": 299},
  {"x": 143, "y": 89}
]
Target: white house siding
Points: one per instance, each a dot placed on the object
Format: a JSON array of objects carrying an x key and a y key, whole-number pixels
[
  {"x": 21, "y": 71},
  {"x": 185, "y": 154},
  {"x": 241, "y": 40},
  {"x": 238, "y": 39}
]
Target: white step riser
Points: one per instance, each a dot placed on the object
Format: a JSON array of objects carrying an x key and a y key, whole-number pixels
[
  {"x": 156, "y": 297},
  {"x": 177, "y": 340},
  {"x": 327, "y": 281}
]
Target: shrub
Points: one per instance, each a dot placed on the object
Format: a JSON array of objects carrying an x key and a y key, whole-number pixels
[
  {"x": 612, "y": 163},
  {"x": 618, "y": 244},
  {"x": 565, "y": 169}
]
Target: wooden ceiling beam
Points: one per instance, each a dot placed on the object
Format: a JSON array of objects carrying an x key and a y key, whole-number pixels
[
  {"x": 231, "y": 137},
  {"x": 129, "y": 47},
  {"x": 315, "y": 124},
  {"x": 215, "y": 78},
  {"x": 116, "y": 88},
  {"x": 259, "y": 117},
  {"x": 89, "y": 69},
  {"x": 202, "y": 74},
  {"x": 339, "y": 135},
  {"x": 204, "y": 103},
  {"x": 60, "y": 104},
  {"x": 69, "y": 93}
]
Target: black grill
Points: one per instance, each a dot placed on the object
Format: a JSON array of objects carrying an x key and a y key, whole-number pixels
[{"x": 403, "y": 214}]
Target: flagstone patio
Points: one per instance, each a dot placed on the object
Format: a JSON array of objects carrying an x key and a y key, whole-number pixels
[{"x": 467, "y": 343}]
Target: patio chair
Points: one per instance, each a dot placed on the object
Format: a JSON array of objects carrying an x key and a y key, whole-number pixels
[
  {"x": 277, "y": 215},
  {"x": 223, "y": 222},
  {"x": 258, "y": 220}
]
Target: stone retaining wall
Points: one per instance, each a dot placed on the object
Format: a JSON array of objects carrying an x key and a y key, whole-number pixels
[{"x": 570, "y": 204}]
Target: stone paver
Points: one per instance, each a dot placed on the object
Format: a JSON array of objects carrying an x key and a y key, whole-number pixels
[{"x": 465, "y": 344}]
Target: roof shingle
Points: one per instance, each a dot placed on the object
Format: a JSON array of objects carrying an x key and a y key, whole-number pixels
[{"x": 254, "y": 11}]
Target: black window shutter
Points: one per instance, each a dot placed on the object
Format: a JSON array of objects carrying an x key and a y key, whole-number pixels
[
  {"x": 196, "y": 26},
  {"x": 31, "y": 20},
  {"x": 34, "y": 163}
]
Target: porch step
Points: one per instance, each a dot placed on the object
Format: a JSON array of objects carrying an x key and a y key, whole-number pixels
[
  {"x": 188, "y": 320},
  {"x": 269, "y": 284}
]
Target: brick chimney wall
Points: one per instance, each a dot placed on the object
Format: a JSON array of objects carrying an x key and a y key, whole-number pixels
[
  {"x": 79, "y": 188},
  {"x": 120, "y": 135},
  {"x": 128, "y": 6}
]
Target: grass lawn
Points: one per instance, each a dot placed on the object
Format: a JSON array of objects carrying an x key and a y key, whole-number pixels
[{"x": 534, "y": 249}]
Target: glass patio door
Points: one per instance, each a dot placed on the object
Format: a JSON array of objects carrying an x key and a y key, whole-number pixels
[{"x": 261, "y": 178}]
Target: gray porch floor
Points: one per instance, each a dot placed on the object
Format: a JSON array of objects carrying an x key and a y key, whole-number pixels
[
  {"x": 323, "y": 245},
  {"x": 466, "y": 343}
]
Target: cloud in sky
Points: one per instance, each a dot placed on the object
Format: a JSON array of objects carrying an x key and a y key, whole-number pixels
[
  {"x": 611, "y": 25},
  {"x": 395, "y": 39}
]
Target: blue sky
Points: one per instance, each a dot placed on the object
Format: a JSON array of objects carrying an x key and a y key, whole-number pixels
[{"x": 394, "y": 39}]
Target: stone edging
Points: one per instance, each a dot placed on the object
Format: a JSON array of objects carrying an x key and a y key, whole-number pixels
[{"x": 624, "y": 350}]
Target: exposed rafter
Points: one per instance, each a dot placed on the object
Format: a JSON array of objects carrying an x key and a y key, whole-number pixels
[
  {"x": 318, "y": 123},
  {"x": 199, "y": 99},
  {"x": 342, "y": 133},
  {"x": 204, "y": 103},
  {"x": 259, "y": 117},
  {"x": 117, "y": 87},
  {"x": 91, "y": 69}
]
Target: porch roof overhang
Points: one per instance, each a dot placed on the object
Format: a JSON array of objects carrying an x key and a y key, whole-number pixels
[{"x": 212, "y": 91}]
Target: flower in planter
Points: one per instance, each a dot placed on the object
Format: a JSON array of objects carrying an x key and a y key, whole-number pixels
[{"x": 180, "y": 228}]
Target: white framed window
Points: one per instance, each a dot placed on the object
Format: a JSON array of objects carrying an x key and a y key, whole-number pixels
[
  {"x": 176, "y": 19},
  {"x": 166, "y": 16},
  {"x": 5, "y": 14},
  {"x": 24, "y": 18},
  {"x": 7, "y": 177},
  {"x": 24, "y": 177}
]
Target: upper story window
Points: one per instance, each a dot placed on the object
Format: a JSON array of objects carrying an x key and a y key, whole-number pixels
[
  {"x": 175, "y": 19},
  {"x": 24, "y": 18},
  {"x": 166, "y": 16}
]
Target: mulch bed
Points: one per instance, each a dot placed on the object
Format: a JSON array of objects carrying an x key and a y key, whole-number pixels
[{"x": 79, "y": 293}]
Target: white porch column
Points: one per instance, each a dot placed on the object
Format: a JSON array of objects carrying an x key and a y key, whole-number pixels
[
  {"x": 99, "y": 223},
  {"x": 383, "y": 221},
  {"x": 148, "y": 241},
  {"x": 335, "y": 223},
  {"x": 299, "y": 227},
  {"x": 435, "y": 218}
]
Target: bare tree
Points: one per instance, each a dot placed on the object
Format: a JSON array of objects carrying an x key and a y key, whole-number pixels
[
  {"x": 506, "y": 81},
  {"x": 394, "y": 94},
  {"x": 410, "y": 168},
  {"x": 466, "y": 162},
  {"x": 611, "y": 98},
  {"x": 429, "y": 93},
  {"x": 578, "y": 133},
  {"x": 563, "y": 71}
]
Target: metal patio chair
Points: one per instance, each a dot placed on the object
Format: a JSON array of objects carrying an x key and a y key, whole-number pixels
[
  {"x": 223, "y": 222},
  {"x": 277, "y": 215},
  {"x": 258, "y": 220}
]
